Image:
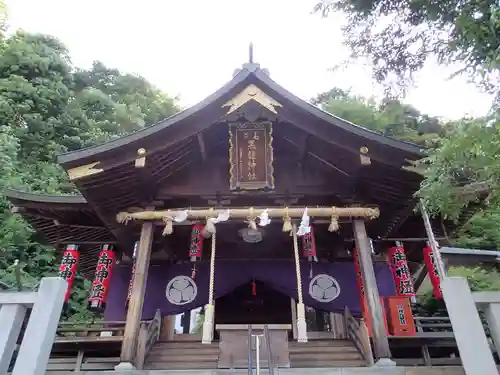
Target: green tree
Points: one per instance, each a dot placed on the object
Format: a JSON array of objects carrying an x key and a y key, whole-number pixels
[
  {"x": 399, "y": 36},
  {"x": 390, "y": 117},
  {"x": 479, "y": 278},
  {"x": 47, "y": 107}
]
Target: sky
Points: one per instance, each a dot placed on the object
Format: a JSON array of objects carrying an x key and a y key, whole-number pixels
[{"x": 191, "y": 48}]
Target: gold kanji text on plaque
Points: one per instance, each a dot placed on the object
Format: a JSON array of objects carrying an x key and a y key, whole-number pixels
[{"x": 251, "y": 156}]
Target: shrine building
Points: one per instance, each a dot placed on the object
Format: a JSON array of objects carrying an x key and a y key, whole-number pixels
[{"x": 252, "y": 216}]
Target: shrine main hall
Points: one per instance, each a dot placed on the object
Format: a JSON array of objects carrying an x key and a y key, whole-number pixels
[{"x": 253, "y": 216}]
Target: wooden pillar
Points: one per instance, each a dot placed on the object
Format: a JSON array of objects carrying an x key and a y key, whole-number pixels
[
  {"x": 136, "y": 302},
  {"x": 186, "y": 322},
  {"x": 380, "y": 341}
]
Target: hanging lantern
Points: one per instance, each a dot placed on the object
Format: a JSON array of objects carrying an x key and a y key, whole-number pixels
[
  {"x": 309, "y": 249},
  {"x": 400, "y": 271},
  {"x": 196, "y": 244},
  {"x": 68, "y": 267},
  {"x": 100, "y": 286},
  {"x": 430, "y": 262},
  {"x": 132, "y": 274},
  {"x": 309, "y": 245}
]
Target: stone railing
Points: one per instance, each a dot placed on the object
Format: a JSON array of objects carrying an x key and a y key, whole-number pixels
[
  {"x": 46, "y": 305},
  {"x": 462, "y": 306}
]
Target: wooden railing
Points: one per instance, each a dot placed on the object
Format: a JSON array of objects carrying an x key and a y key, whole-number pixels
[
  {"x": 109, "y": 331},
  {"x": 358, "y": 333},
  {"x": 148, "y": 335},
  {"x": 432, "y": 324},
  {"x": 89, "y": 329}
]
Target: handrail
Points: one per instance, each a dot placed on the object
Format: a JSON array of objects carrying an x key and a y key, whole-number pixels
[
  {"x": 257, "y": 354},
  {"x": 79, "y": 329},
  {"x": 149, "y": 333},
  {"x": 269, "y": 350},
  {"x": 250, "y": 364},
  {"x": 358, "y": 333}
]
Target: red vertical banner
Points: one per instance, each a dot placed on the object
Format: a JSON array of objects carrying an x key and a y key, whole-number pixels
[
  {"x": 400, "y": 271},
  {"x": 359, "y": 279},
  {"x": 68, "y": 267},
  {"x": 100, "y": 286},
  {"x": 130, "y": 284},
  {"x": 309, "y": 244},
  {"x": 196, "y": 243},
  {"x": 364, "y": 306},
  {"x": 132, "y": 274},
  {"x": 430, "y": 262}
]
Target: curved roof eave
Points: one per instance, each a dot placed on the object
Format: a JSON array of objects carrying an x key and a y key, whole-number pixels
[
  {"x": 72, "y": 156},
  {"x": 337, "y": 121},
  {"x": 12, "y": 194}
]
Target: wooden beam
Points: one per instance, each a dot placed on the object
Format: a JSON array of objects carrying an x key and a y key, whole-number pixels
[
  {"x": 277, "y": 212},
  {"x": 419, "y": 277},
  {"x": 400, "y": 217},
  {"x": 137, "y": 299},
  {"x": 201, "y": 143},
  {"x": 380, "y": 340},
  {"x": 302, "y": 149},
  {"x": 76, "y": 242}
]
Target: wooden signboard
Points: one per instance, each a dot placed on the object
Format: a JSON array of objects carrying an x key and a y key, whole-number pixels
[{"x": 251, "y": 156}]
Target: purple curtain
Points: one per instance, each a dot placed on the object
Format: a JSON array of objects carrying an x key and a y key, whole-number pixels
[{"x": 170, "y": 288}]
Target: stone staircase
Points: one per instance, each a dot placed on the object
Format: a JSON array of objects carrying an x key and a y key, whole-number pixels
[
  {"x": 182, "y": 355},
  {"x": 191, "y": 355},
  {"x": 325, "y": 353}
]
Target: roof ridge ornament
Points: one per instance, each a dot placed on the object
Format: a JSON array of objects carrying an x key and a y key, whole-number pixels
[
  {"x": 251, "y": 65},
  {"x": 252, "y": 92}
]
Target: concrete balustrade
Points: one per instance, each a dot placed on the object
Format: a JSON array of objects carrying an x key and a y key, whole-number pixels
[
  {"x": 462, "y": 306},
  {"x": 35, "y": 348}
]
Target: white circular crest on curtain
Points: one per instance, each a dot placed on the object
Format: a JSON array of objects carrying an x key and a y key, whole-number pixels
[
  {"x": 324, "y": 288},
  {"x": 181, "y": 290}
]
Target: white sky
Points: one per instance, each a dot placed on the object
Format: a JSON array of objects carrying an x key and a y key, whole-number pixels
[{"x": 190, "y": 48}]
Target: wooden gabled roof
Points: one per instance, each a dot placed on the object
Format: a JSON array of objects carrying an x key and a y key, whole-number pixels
[
  {"x": 61, "y": 220},
  {"x": 173, "y": 129},
  {"x": 187, "y": 152}
]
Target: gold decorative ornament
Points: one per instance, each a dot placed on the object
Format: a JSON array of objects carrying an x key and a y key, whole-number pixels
[
  {"x": 169, "y": 229},
  {"x": 287, "y": 221},
  {"x": 84, "y": 171},
  {"x": 140, "y": 161},
  {"x": 365, "y": 160},
  {"x": 334, "y": 221},
  {"x": 252, "y": 92}
]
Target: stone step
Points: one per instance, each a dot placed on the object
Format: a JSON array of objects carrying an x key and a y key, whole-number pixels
[
  {"x": 317, "y": 343},
  {"x": 323, "y": 349},
  {"x": 183, "y": 351},
  {"x": 187, "y": 357},
  {"x": 327, "y": 364},
  {"x": 324, "y": 356},
  {"x": 180, "y": 365},
  {"x": 185, "y": 344}
]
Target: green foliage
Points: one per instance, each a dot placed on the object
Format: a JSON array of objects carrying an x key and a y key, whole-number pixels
[
  {"x": 390, "y": 117},
  {"x": 399, "y": 36},
  {"x": 463, "y": 171},
  {"x": 48, "y": 107},
  {"x": 479, "y": 278}
]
